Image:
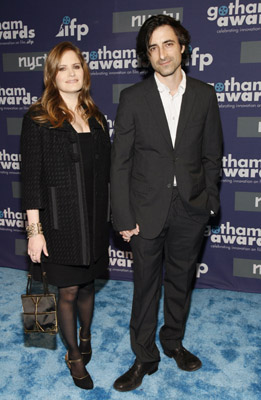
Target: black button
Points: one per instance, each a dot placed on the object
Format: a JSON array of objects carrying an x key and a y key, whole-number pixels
[
  {"x": 75, "y": 157},
  {"x": 72, "y": 137}
]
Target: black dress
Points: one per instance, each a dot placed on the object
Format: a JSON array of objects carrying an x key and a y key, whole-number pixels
[{"x": 66, "y": 275}]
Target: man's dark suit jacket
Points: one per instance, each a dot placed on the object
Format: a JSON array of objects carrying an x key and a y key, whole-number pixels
[{"x": 144, "y": 161}]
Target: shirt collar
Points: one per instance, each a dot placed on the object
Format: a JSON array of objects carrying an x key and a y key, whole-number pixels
[{"x": 163, "y": 88}]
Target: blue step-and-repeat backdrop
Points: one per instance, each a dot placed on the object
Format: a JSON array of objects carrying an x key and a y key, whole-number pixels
[{"x": 225, "y": 52}]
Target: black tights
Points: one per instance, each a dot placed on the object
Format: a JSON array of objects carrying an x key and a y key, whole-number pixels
[{"x": 71, "y": 300}]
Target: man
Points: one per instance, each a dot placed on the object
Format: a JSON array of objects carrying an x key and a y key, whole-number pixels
[{"x": 166, "y": 160}]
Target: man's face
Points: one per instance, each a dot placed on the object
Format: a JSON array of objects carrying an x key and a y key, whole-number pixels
[{"x": 164, "y": 51}]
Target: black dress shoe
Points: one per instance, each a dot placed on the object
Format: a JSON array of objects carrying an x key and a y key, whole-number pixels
[
  {"x": 83, "y": 382},
  {"x": 184, "y": 359},
  {"x": 133, "y": 377}
]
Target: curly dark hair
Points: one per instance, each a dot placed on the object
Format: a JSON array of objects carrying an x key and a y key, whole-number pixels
[{"x": 144, "y": 35}]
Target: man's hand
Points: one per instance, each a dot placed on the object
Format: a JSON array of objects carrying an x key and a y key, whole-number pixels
[{"x": 126, "y": 235}]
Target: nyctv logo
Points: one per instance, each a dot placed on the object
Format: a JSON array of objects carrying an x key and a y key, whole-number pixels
[
  {"x": 131, "y": 21},
  {"x": 248, "y": 201},
  {"x": 249, "y": 127},
  {"x": 247, "y": 268},
  {"x": 69, "y": 27}
]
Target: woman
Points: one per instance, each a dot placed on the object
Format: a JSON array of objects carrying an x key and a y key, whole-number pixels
[{"x": 65, "y": 148}]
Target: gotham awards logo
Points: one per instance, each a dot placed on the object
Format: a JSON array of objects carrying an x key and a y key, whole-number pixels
[
  {"x": 236, "y": 17},
  {"x": 14, "y": 98},
  {"x": 104, "y": 61},
  {"x": 241, "y": 170},
  {"x": 15, "y": 32},
  {"x": 237, "y": 94},
  {"x": 229, "y": 237},
  {"x": 9, "y": 162},
  {"x": 12, "y": 220}
]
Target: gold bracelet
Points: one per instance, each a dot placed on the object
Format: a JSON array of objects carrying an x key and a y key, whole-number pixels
[{"x": 34, "y": 229}]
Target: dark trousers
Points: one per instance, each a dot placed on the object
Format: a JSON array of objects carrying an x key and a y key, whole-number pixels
[{"x": 180, "y": 242}]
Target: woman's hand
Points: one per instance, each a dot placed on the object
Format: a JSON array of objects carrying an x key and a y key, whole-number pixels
[{"x": 37, "y": 244}]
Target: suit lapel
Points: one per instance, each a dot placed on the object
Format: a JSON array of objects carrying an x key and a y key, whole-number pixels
[
  {"x": 155, "y": 104},
  {"x": 186, "y": 106}
]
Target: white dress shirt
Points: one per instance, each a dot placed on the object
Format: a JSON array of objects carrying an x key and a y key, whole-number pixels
[{"x": 172, "y": 105}]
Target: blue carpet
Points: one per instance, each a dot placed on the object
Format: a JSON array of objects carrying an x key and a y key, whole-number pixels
[{"x": 223, "y": 328}]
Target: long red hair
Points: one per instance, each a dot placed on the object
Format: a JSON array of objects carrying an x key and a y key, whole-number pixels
[{"x": 51, "y": 107}]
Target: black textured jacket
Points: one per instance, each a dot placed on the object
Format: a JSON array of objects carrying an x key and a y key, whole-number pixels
[{"x": 52, "y": 181}]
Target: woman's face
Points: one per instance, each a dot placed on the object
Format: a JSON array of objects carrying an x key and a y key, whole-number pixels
[{"x": 69, "y": 78}]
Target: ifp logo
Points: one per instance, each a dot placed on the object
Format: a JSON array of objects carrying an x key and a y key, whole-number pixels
[
  {"x": 199, "y": 59},
  {"x": 70, "y": 28},
  {"x": 66, "y": 20},
  {"x": 201, "y": 269}
]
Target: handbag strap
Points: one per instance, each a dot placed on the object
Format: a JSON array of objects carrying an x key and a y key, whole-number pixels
[{"x": 30, "y": 279}]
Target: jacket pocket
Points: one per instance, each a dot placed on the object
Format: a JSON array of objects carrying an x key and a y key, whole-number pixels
[
  {"x": 54, "y": 208},
  {"x": 196, "y": 122},
  {"x": 109, "y": 204},
  {"x": 139, "y": 186}
]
